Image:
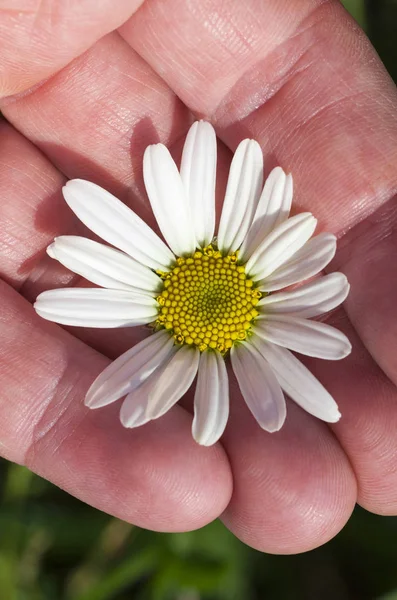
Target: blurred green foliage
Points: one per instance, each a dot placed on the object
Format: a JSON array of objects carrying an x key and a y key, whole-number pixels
[{"x": 53, "y": 547}]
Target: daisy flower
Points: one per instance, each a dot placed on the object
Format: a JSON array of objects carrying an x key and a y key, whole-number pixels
[{"x": 205, "y": 297}]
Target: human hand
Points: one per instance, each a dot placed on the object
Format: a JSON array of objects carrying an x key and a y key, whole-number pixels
[{"x": 303, "y": 81}]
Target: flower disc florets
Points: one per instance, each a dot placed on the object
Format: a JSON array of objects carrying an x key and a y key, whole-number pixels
[{"x": 208, "y": 300}]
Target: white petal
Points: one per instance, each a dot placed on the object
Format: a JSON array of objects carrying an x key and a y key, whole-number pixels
[
  {"x": 198, "y": 173},
  {"x": 309, "y": 300},
  {"x": 163, "y": 385},
  {"x": 304, "y": 336},
  {"x": 307, "y": 262},
  {"x": 242, "y": 194},
  {"x": 280, "y": 245},
  {"x": 129, "y": 370},
  {"x": 173, "y": 382},
  {"x": 85, "y": 307},
  {"x": 273, "y": 208},
  {"x": 211, "y": 400},
  {"x": 115, "y": 223},
  {"x": 259, "y": 386},
  {"x": 168, "y": 199},
  {"x": 133, "y": 408},
  {"x": 298, "y": 382},
  {"x": 103, "y": 265}
]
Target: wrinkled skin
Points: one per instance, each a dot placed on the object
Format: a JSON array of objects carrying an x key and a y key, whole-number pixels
[{"x": 85, "y": 86}]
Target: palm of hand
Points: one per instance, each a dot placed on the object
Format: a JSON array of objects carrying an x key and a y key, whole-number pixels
[{"x": 308, "y": 88}]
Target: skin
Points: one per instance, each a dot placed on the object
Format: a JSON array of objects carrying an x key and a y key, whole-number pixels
[{"x": 81, "y": 98}]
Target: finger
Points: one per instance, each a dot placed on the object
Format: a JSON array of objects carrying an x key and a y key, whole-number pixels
[
  {"x": 365, "y": 256},
  {"x": 299, "y": 77},
  {"x": 367, "y": 400},
  {"x": 31, "y": 208},
  {"x": 37, "y": 39},
  {"x": 155, "y": 476},
  {"x": 294, "y": 489},
  {"x": 95, "y": 118}
]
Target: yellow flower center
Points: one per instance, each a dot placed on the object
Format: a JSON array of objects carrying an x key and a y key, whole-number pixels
[{"x": 207, "y": 301}]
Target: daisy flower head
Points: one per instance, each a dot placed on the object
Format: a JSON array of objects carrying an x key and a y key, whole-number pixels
[{"x": 207, "y": 296}]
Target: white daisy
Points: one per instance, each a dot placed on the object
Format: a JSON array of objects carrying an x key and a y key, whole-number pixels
[{"x": 205, "y": 298}]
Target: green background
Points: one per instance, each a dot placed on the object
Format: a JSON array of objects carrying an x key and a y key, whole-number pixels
[{"x": 53, "y": 547}]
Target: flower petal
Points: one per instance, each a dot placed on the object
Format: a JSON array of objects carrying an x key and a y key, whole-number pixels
[
  {"x": 173, "y": 382},
  {"x": 242, "y": 194},
  {"x": 273, "y": 208},
  {"x": 259, "y": 386},
  {"x": 298, "y": 382},
  {"x": 168, "y": 199},
  {"x": 309, "y": 300},
  {"x": 198, "y": 173},
  {"x": 307, "y": 337},
  {"x": 103, "y": 265},
  {"x": 115, "y": 223},
  {"x": 165, "y": 385},
  {"x": 129, "y": 370},
  {"x": 280, "y": 245},
  {"x": 133, "y": 408},
  {"x": 307, "y": 262},
  {"x": 211, "y": 400},
  {"x": 85, "y": 307}
]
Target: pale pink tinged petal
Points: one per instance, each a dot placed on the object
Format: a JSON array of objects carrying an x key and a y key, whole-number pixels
[
  {"x": 242, "y": 194},
  {"x": 198, "y": 173},
  {"x": 133, "y": 409},
  {"x": 115, "y": 223},
  {"x": 168, "y": 199},
  {"x": 129, "y": 370},
  {"x": 103, "y": 265},
  {"x": 298, "y": 382},
  {"x": 309, "y": 300},
  {"x": 211, "y": 400},
  {"x": 273, "y": 208},
  {"x": 259, "y": 386},
  {"x": 307, "y": 262},
  {"x": 304, "y": 336},
  {"x": 85, "y": 307},
  {"x": 280, "y": 245},
  {"x": 173, "y": 382}
]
